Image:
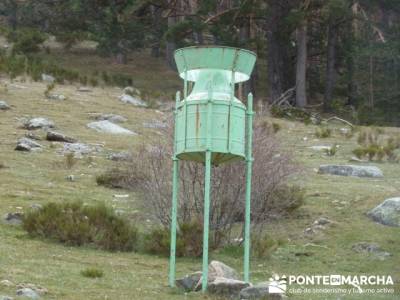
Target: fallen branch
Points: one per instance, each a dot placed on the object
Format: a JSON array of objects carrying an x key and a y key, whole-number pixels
[
  {"x": 339, "y": 119},
  {"x": 285, "y": 97}
]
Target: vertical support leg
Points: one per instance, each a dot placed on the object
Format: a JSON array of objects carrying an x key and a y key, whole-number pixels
[
  {"x": 175, "y": 187},
  {"x": 174, "y": 210},
  {"x": 249, "y": 164},
  {"x": 207, "y": 183}
]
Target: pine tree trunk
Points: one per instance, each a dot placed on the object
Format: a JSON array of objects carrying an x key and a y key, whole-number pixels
[
  {"x": 274, "y": 65},
  {"x": 330, "y": 67},
  {"x": 156, "y": 13},
  {"x": 13, "y": 18},
  {"x": 121, "y": 58},
  {"x": 371, "y": 81},
  {"x": 170, "y": 46},
  {"x": 301, "y": 96},
  {"x": 280, "y": 70}
]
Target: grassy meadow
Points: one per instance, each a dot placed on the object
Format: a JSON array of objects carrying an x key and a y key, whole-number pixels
[{"x": 40, "y": 177}]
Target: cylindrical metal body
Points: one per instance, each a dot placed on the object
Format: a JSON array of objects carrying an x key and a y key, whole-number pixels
[{"x": 226, "y": 145}]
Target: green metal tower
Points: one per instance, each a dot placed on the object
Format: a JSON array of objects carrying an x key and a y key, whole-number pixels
[{"x": 212, "y": 127}]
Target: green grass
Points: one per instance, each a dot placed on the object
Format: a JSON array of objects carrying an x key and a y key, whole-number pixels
[{"x": 40, "y": 178}]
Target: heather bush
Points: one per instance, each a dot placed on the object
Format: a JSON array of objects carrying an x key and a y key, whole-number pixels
[
  {"x": 323, "y": 132},
  {"x": 77, "y": 225},
  {"x": 92, "y": 273},
  {"x": 189, "y": 240},
  {"x": 264, "y": 245}
]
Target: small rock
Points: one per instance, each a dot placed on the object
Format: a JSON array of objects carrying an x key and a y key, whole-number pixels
[
  {"x": 25, "y": 144},
  {"x": 37, "y": 289},
  {"x": 120, "y": 156},
  {"x": 132, "y": 100},
  {"x": 216, "y": 269},
  {"x": 345, "y": 130},
  {"x": 190, "y": 282},
  {"x": 17, "y": 86},
  {"x": 387, "y": 213},
  {"x": 84, "y": 89},
  {"x": 56, "y": 97},
  {"x": 309, "y": 231},
  {"x": 13, "y": 218},
  {"x": 227, "y": 287},
  {"x": 322, "y": 221},
  {"x": 109, "y": 127},
  {"x": 37, "y": 123},
  {"x": 351, "y": 170},
  {"x": 48, "y": 78},
  {"x": 371, "y": 248},
  {"x": 79, "y": 149},
  {"x": 70, "y": 178},
  {"x": 320, "y": 148},
  {"x": 36, "y": 206},
  {"x": 259, "y": 291},
  {"x": 6, "y": 298},
  {"x": 121, "y": 196},
  {"x": 6, "y": 283},
  {"x": 130, "y": 90},
  {"x": 59, "y": 137},
  {"x": 28, "y": 293},
  {"x": 112, "y": 118},
  {"x": 219, "y": 269},
  {"x": 364, "y": 247},
  {"x": 4, "y": 105}
]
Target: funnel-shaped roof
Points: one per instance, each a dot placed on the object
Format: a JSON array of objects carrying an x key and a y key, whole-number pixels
[{"x": 197, "y": 59}]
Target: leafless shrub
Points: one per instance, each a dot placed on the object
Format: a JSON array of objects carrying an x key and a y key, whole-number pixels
[{"x": 150, "y": 171}]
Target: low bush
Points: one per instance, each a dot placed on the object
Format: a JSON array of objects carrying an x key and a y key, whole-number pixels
[
  {"x": 276, "y": 127},
  {"x": 77, "y": 225},
  {"x": 49, "y": 88},
  {"x": 93, "y": 82},
  {"x": 323, "y": 132},
  {"x": 375, "y": 144},
  {"x": 332, "y": 150},
  {"x": 263, "y": 245},
  {"x": 189, "y": 240},
  {"x": 69, "y": 39},
  {"x": 92, "y": 273},
  {"x": 291, "y": 113},
  {"x": 114, "y": 178},
  {"x": 122, "y": 80},
  {"x": 70, "y": 160},
  {"x": 26, "y": 40},
  {"x": 158, "y": 242},
  {"x": 283, "y": 200}
]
